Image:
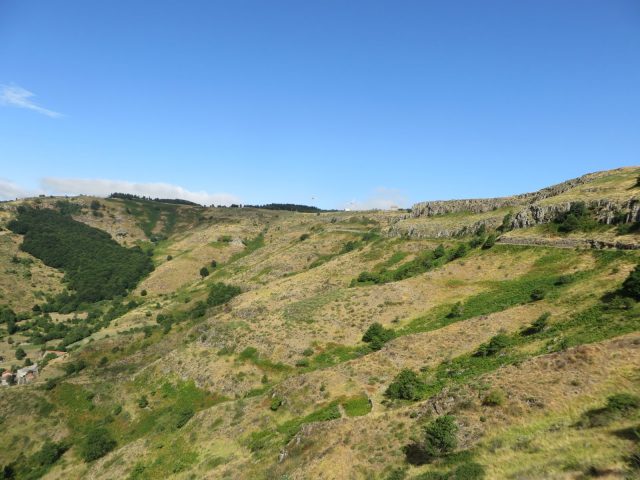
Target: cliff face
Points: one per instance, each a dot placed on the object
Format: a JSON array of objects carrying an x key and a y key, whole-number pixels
[
  {"x": 528, "y": 209},
  {"x": 481, "y": 205}
]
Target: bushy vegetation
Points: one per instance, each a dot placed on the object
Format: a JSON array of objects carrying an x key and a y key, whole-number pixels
[
  {"x": 220, "y": 293},
  {"x": 631, "y": 286},
  {"x": 494, "y": 346},
  {"x": 96, "y": 444},
  {"x": 577, "y": 218},
  {"x": 423, "y": 262},
  {"x": 538, "y": 325},
  {"x": 37, "y": 465},
  {"x": 376, "y": 336},
  {"x": 617, "y": 406},
  {"x": 95, "y": 266},
  {"x": 439, "y": 440},
  {"x": 440, "y": 436},
  {"x": 406, "y": 386}
]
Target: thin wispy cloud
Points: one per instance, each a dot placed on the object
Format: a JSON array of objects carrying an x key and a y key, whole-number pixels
[
  {"x": 382, "y": 199},
  {"x": 11, "y": 191},
  {"x": 103, "y": 187},
  {"x": 15, "y": 96}
]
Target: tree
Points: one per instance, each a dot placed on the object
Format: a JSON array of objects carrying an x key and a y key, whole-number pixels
[
  {"x": 440, "y": 436},
  {"x": 406, "y": 386},
  {"x": 439, "y": 251},
  {"x": 96, "y": 444},
  {"x": 631, "y": 286},
  {"x": 204, "y": 272},
  {"x": 95, "y": 205},
  {"x": 20, "y": 353},
  {"x": 214, "y": 264}
]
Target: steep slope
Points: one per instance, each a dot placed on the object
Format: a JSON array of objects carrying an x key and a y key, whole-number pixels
[{"x": 525, "y": 346}]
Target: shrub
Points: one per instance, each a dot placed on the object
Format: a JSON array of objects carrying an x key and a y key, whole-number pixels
[
  {"x": 199, "y": 310},
  {"x": 143, "y": 293},
  {"x": 183, "y": 415},
  {"x": 537, "y": 326},
  {"x": 439, "y": 251},
  {"x": 576, "y": 219},
  {"x": 49, "y": 453},
  {"x": 631, "y": 286},
  {"x": 96, "y": 444},
  {"x": 456, "y": 311},
  {"x": 459, "y": 252},
  {"x": 623, "y": 402},
  {"x": 20, "y": 353},
  {"x": 440, "y": 436},
  {"x": 221, "y": 293},
  {"x": 618, "y": 405},
  {"x": 537, "y": 294},
  {"x": 489, "y": 242},
  {"x": 406, "y": 386},
  {"x": 204, "y": 272},
  {"x": 494, "y": 398},
  {"x": 304, "y": 237},
  {"x": 143, "y": 402},
  {"x": 506, "y": 222},
  {"x": 493, "y": 346},
  {"x": 469, "y": 471},
  {"x": 214, "y": 264},
  {"x": 276, "y": 403},
  {"x": 376, "y": 335}
]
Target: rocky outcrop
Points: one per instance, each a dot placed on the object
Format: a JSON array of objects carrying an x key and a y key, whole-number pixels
[
  {"x": 481, "y": 205},
  {"x": 568, "y": 243},
  {"x": 605, "y": 211}
]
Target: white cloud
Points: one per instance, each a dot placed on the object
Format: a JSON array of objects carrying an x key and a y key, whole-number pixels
[
  {"x": 15, "y": 96},
  {"x": 381, "y": 199},
  {"x": 11, "y": 191},
  {"x": 102, "y": 188}
]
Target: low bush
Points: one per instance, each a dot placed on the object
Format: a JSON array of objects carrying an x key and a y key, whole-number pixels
[
  {"x": 537, "y": 326},
  {"x": 406, "y": 386},
  {"x": 631, "y": 286},
  {"x": 220, "y": 293},
  {"x": 376, "y": 336},
  {"x": 494, "y": 398},
  {"x": 96, "y": 444},
  {"x": 617, "y": 406},
  {"x": 440, "y": 437},
  {"x": 493, "y": 346}
]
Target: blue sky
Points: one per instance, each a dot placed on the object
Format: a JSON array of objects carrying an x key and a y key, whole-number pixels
[{"x": 372, "y": 102}]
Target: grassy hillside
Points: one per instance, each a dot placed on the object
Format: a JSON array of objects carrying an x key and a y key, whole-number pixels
[{"x": 248, "y": 352}]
